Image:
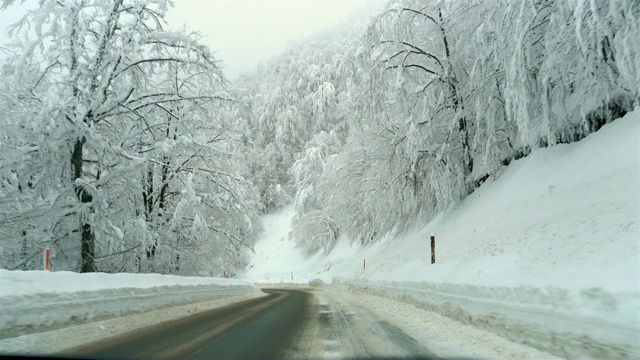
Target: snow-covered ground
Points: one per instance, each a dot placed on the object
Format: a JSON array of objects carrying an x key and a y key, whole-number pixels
[
  {"x": 40, "y": 300},
  {"x": 64, "y": 340},
  {"x": 443, "y": 336},
  {"x": 343, "y": 324},
  {"x": 551, "y": 245}
]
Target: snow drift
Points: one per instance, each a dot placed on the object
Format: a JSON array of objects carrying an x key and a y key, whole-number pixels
[
  {"x": 568, "y": 323},
  {"x": 40, "y": 300}
]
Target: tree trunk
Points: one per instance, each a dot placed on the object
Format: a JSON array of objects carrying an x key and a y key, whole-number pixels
[
  {"x": 87, "y": 247},
  {"x": 457, "y": 103},
  {"x": 23, "y": 251},
  {"x": 147, "y": 196}
]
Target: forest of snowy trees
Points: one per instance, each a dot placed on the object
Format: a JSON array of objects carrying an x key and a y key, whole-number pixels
[
  {"x": 123, "y": 147},
  {"x": 385, "y": 124},
  {"x": 120, "y": 147}
]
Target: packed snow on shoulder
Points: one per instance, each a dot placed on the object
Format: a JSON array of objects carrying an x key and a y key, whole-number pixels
[
  {"x": 552, "y": 244},
  {"x": 38, "y": 300}
]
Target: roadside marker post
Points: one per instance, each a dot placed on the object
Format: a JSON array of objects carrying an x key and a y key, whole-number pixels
[
  {"x": 364, "y": 264},
  {"x": 433, "y": 249},
  {"x": 47, "y": 259}
]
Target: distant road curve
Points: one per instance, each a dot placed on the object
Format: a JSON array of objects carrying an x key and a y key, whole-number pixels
[{"x": 285, "y": 323}]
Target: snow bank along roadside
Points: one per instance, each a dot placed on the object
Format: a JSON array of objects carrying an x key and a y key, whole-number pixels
[
  {"x": 32, "y": 301},
  {"x": 63, "y": 341},
  {"x": 445, "y": 337},
  {"x": 570, "y": 324}
]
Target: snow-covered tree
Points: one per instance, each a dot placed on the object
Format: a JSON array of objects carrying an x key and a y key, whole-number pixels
[
  {"x": 313, "y": 229},
  {"x": 438, "y": 97},
  {"x": 127, "y": 136}
]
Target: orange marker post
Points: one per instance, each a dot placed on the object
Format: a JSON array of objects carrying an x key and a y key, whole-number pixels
[{"x": 47, "y": 259}]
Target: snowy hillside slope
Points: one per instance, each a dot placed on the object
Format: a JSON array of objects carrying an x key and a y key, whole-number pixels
[
  {"x": 556, "y": 234},
  {"x": 39, "y": 300}
]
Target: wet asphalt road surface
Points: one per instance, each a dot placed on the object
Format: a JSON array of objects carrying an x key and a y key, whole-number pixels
[{"x": 285, "y": 323}]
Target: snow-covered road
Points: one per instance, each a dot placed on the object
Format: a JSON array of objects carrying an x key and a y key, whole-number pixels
[
  {"x": 321, "y": 322},
  {"x": 339, "y": 327},
  {"x": 345, "y": 323}
]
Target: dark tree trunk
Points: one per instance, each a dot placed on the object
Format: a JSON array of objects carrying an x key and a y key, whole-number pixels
[
  {"x": 147, "y": 196},
  {"x": 23, "y": 250},
  {"x": 87, "y": 247},
  {"x": 457, "y": 103}
]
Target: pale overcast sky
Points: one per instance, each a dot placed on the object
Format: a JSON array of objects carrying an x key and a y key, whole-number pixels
[{"x": 244, "y": 32}]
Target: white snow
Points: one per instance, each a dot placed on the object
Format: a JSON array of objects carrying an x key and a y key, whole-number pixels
[
  {"x": 64, "y": 340},
  {"x": 440, "y": 334},
  {"x": 24, "y": 283},
  {"x": 556, "y": 234},
  {"x": 40, "y": 300}
]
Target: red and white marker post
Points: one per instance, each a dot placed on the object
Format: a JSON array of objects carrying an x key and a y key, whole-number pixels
[{"x": 47, "y": 259}]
